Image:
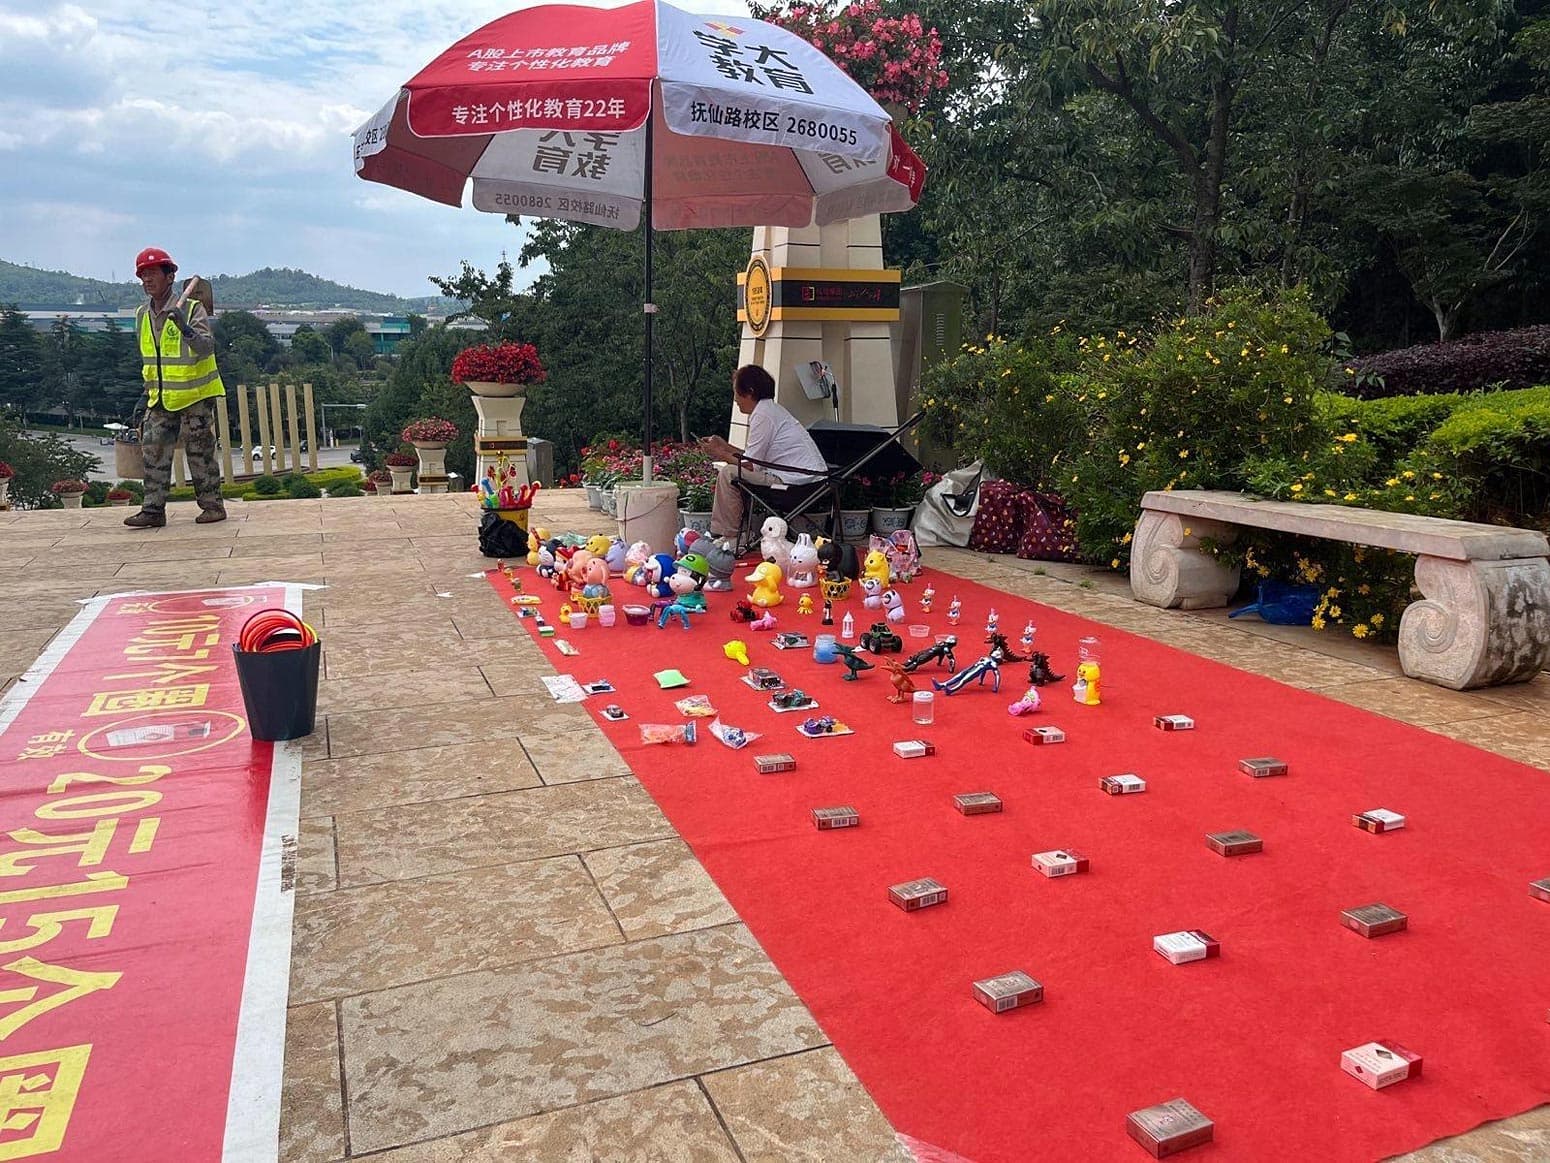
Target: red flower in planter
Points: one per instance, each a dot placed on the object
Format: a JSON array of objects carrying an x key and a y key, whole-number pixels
[
  {"x": 430, "y": 431},
  {"x": 501, "y": 363}
]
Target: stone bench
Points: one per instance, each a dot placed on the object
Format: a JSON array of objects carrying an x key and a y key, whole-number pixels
[{"x": 1484, "y": 618}]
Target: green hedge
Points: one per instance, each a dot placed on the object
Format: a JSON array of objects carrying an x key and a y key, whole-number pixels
[{"x": 324, "y": 478}]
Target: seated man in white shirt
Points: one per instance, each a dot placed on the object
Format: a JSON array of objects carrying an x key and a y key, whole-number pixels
[{"x": 774, "y": 435}]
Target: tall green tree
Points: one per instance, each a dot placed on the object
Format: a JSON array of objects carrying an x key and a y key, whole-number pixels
[{"x": 21, "y": 360}]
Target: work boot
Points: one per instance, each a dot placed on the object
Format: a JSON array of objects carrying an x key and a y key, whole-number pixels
[
  {"x": 210, "y": 516},
  {"x": 145, "y": 519}
]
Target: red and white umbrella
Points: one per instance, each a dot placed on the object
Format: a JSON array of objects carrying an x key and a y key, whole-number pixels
[{"x": 553, "y": 111}]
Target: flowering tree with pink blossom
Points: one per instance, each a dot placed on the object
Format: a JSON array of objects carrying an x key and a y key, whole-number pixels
[{"x": 894, "y": 58}]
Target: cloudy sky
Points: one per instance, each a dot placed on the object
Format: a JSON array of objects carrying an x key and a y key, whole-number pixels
[{"x": 220, "y": 130}]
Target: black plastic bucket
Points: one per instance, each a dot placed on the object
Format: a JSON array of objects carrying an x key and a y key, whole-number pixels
[{"x": 280, "y": 690}]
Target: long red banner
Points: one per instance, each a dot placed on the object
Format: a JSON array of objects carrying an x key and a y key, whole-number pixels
[{"x": 146, "y": 869}]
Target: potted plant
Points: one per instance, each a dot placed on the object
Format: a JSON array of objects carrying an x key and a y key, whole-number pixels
[
  {"x": 400, "y": 466},
  {"x": 895, "y": 498},
  {"x": 6, "y": 473},
  {"x": 855, "y": 508},
  {"x": 69, "y": 492},
  {"x": 369, "y": 487},
  {"x": 430, "y": 438},
  {"x": 120, "y": 497},
  {"x": 692, "y": 470},
  {"x": 381, "y": 482},
  {"x": 498, "y": 369}
]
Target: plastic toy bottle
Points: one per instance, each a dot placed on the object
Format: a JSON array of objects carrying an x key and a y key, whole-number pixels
[
  {"x": 954, "y": 611},
  {"x": 848, "y": 627}
]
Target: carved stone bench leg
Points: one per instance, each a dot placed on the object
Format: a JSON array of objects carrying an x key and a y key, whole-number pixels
[
  {"x": 1167, "y": 567},
  {"x": 1482, "y": 623}
]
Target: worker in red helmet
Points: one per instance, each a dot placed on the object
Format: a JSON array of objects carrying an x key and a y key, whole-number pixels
[{"x": 177, "y": 362}]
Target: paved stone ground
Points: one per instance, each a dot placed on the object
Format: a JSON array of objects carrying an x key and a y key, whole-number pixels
[{"x": 502, "y": 948}]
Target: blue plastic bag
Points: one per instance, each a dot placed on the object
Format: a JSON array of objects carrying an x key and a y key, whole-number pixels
[{"x": 1283, "y": 604}]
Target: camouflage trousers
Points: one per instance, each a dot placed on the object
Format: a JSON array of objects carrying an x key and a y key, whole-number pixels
[{"x": 160, "y": 431}]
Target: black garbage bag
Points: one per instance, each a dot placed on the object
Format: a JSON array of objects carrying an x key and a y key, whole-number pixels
[{"x": 501, "y": 538}]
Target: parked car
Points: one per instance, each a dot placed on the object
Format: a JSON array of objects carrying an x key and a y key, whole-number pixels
[
  {"x": 258, "y": 452},
  {"x": 357, "y": 456}
]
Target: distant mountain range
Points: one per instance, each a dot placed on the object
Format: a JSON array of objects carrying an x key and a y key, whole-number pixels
[{"x": 270, "y": 287}]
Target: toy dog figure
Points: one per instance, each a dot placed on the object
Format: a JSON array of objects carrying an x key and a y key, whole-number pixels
[
  {"x": 721, "y": 560},
  {"x": 990, "y": 665},
  {"x": 854, "y": 663},
  {"x": 872, "y": 589},
  {"x": 773, "y": 545},
  {"x": 893, "y": 606},
  {"x": 1039, "y": 672},
  {"x": 903, "y": 685},
  {"x": 941, "y": 651}
]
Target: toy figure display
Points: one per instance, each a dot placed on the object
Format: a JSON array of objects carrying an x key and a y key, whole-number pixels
[
  {"x": 828, "y": 613},
  {"x": 928, "y": 595},
  {"x": 877, "y": 566},
  {"x": 1039, "y": 672},
  {"x": 773, "y": 545},
  {"x": 838, "y": 559},
  {"x": 993, "y": 621},
  {"x": 872, "y": 593},
  {"x": 736, "y": 650},
  {"x": 903, "y": 555},
  {"x": 1027, "y": 639},
  {"x": 615, "y": 556},
  {"x": 881, "y": 640},
  {"x": 939, "y": 652},
  {"x": 597, "y": 545},
  {"x": 954, "y": 611},
  {"x": 979, "y": 670},
  {"x": 635, "y": 559},
  {"x": 803, "y": 573},
  {"x": 546, "y": 564},
  {"x": 997, "y": 642},
  {"x": 764, "y": 622},
  {"x": 853, "y": 662},
  {"x": 903, "y": 685},
  {"x": 721, "y": 559},
  {"x": 686, "y": 540},
  {"x": 594, "y": 580},
  {"x": 656, "y": 572},
  {"x": 805, "y": 604},
  {"x": 893, "y": 606},
  {"x": 766, "y": 584},
  {"x": 694, "y": 564},
  {"x": 742, "y": 612},
  {"x": 1086, "y": 688},
  {"x": 535, "y": 540},
  {"x": 685, "y": 584},
  {"x": 1027, "y": 704}
]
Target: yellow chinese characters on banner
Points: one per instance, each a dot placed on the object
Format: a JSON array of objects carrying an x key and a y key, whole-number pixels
[
  {"x": 148, "y": 699},
  {"x": 37, "y": 1094}
]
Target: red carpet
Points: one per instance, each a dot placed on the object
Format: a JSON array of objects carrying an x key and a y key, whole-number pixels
[{"x": 1254, "y": 1038}]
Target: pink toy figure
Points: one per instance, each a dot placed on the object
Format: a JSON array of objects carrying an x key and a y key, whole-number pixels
[
  {"x": 575, "y": 571},
  {"x": 873, "y": 589},
  {"x": 893, "y": 605},
  {"x": 993, "y": 622},
  {"x": 903, "y": 555},
  {"x": 926, "y": 598},
  {"x": 1027, "y": 704},
  {"x": 595, "y": 579},
  {"x": 954, "y": 611},
  {"x": 634, "y": 558},
  {"x": 1027, "y": 638},
  {"x": 766, "y": 621}
]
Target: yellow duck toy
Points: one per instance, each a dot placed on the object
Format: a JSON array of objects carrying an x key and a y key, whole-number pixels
[
  {"x": 766, "y": 585},
  {"x": 1086, "y": 688},
  {"x": 876, "y": 565}
]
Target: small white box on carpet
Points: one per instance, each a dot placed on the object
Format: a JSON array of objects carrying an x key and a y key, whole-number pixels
[
  {"x": 1122, "y": 785},
  {"x": 1169, "y": 1127},
  {"x": 1008, "y": 991},
  {"x": 1040, "y": 736},
  {"x": 1262, "y": 766},
  {"x": 1378, "y": 820},
  {"x": 1173, "y": 723},
  {"x": 826, "y": 819},
  {"x": 914, "y": 748},
  {"x": 1374, "y": 920},
  {"x": 1237, "y": 843},
  {"x": 772, "y": 763},
  {"x": 1186, "y": 945},
  {"x": 1381, "y": 1064},
  {"x": 977, "y": 803},
  {"x": 918, "y": 894},
  {"x": 1060, "y": 862}
]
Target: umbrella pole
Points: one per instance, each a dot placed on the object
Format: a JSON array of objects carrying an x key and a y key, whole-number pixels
[{"x": 649, "y": 308}]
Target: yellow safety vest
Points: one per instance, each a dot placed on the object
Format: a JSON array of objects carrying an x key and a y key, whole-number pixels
[{"x": 174, "y": 376}]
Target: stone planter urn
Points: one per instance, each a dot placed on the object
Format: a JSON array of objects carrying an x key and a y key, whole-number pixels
[
  {"x": 888, "y": 520},
  {"x": 433, "y": 465},
  {"x": 71, "y": 500},
  {"x": 854, "y": 523},
  {"x": 5, "y": 492},
  {"x": 499, "y": 407},
  {"x": 694, "y": 519},
  {"x": 403, "y": 479},
  {"x": 594, "y": 495},
  {"x": 610, "y": 503}
]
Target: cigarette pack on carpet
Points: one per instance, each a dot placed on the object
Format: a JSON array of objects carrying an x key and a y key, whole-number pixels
[
  {"x": 770, "y": 764},
  {"x": 1122, "y": 785},
  {"x": 1234, "y": 843},
  {"x": 1060, "y": 862},
  {"x": 1540, "y": 889},
  {"x": 1375, "y": 920},
  {"x": 977, "y": 803},
  {"x": 1261, "y": 767},
  {"x": 1173, "y": 723},
  {"x": 1381, "y": 1064},
  {"x": 1378, "y": 820},
  {"x": 917, "y": 894},
  {"x": 825, "y": 819},
  {"x": 1008, "y": 991},
  {"x": 914, "y": 748},
  {"x": 1186, "y": 945},
  {"x": 1042, "y": 735},
  {"x": 1169, "y": 1127}
]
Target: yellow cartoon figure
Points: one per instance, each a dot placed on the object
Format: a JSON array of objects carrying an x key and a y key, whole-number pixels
[
  {"x": 805, "y": 604},
  {"x": 876, "y": 565},
  {"x": 766, "y": 585},
  {"x": 1086, "y": 688}
]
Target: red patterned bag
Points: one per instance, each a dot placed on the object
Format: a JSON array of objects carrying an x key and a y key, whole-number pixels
[
  {"x": 998, "y": 526},
  {"x": 1049, "y": 529}
]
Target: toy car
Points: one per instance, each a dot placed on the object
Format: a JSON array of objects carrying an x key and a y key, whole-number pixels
[
  {"x": 792, "y": 699},
  {"x": 790, "y": 640},
  {"x": 764, "y": 679},
  {"x": 821, "y": 725},
  {"x": 881, "y": 640}
]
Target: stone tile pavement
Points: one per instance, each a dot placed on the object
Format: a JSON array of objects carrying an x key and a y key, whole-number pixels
[{"x": 502, "y": 948}]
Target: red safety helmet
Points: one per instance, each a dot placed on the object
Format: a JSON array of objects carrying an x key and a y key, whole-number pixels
[{"x": 153, "y": 256}]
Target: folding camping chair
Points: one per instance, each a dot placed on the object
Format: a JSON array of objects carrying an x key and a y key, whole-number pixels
[{"x": 847, "y": 449}]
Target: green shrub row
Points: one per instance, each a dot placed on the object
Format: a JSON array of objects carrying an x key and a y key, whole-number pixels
[{"x": 270, "y": 488}]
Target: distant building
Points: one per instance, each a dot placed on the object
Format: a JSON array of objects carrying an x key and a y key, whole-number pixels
[{"x": 386, "y": 331}]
